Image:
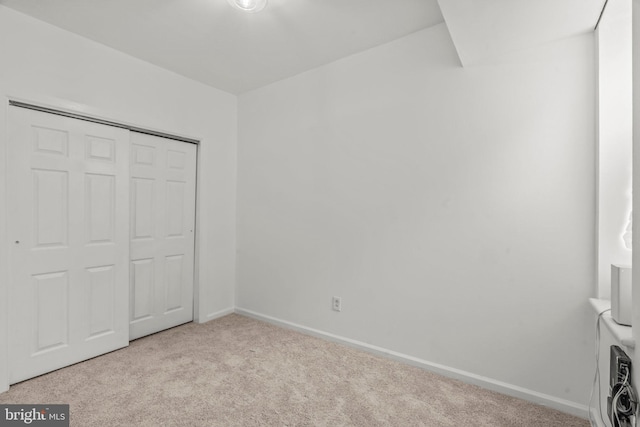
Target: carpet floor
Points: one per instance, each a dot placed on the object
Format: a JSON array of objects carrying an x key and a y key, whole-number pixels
[{"x": 237, "y": 371}]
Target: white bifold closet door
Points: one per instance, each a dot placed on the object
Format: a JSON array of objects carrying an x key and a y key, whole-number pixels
[
  {"x": 68, "y": 193},
  {"x": 163, "y": 194}
]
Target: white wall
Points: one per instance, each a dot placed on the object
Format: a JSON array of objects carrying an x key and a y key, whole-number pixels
[
  {"x": 452, "y": 209},
  {"x": 44, "y": 64},
  {"x": 614, "y": 139}
]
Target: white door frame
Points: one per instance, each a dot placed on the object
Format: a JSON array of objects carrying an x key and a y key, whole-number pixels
[
  {"x": 4, "y": 254},
  {"x": 70, "y": 107}
]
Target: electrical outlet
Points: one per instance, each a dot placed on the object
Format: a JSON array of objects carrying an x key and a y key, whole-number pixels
[{"x": 336, "y": 303}]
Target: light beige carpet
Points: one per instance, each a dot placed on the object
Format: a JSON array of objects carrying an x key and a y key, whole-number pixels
[{"x": 237, "y": 371}]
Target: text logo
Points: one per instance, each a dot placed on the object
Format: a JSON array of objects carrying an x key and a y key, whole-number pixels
[{"x": 34, "y": 415}]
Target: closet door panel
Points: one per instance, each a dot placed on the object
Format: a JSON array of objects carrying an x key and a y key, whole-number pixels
[
  {"x": 69, "y": 224},
  {"x": 163, "y": 181}
]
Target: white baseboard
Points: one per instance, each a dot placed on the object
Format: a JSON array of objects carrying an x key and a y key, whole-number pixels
[
  {"x": 467, "y": 377},
  {"x": 218, "y": 314}
]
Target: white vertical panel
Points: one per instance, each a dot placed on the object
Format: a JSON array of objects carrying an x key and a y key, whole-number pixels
[
  {"x": 142, "y": 278},
  {"x": 101, "y": 299},
  {"x": 175, "y": 208},
  {"x": 51, "y": 307},
  {"x": 173, "y": 282},
  {"x": 50, "y": 193},
  {"x": 635, "y": 293},
  {"x": 143, "y": 206},
  {"x": 100, "y": 208}
]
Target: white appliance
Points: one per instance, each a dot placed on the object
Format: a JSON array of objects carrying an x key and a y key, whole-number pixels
[{"x": 621, "y": 294}]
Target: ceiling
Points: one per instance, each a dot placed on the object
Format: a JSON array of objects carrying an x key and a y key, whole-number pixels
[{"x": 209, "y": 41}]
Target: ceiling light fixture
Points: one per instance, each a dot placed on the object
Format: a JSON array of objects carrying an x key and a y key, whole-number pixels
[{"x": 248, "y": 5}]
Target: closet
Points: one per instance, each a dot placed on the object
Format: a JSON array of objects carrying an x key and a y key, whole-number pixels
[{"x": 101, "y": 220}]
